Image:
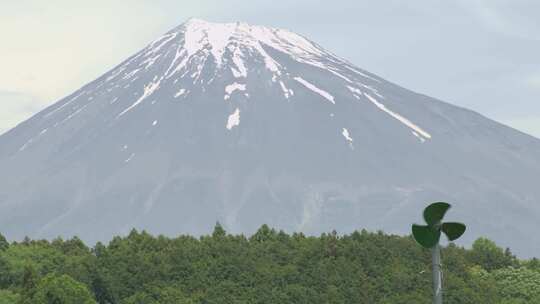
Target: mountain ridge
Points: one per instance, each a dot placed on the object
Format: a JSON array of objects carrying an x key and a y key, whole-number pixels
[{"x": 266, "y": 127}]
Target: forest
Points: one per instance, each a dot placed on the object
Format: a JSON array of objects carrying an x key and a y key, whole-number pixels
[{"x": 267, "y": 267}]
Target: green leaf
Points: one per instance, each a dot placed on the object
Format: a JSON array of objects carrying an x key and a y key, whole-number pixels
[
  {"x": 453, "y": 230},
  {"x": 435, "y": 212},
  {"x": 425, "y": 235}
]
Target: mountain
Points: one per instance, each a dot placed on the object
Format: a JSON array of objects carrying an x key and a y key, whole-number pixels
[{"x": 248, "y": 125}]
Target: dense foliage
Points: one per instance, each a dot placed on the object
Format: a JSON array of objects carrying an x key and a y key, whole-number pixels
[{"x": 268, "y": 267}]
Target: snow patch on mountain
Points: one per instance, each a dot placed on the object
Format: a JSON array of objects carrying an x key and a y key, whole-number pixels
[
  {"x": 180, "y": 54},
  {"x": 235, "y": 87},
  {"x": 232, "y": 88},
  {"x": 420, "y": 138},
  {"x": 164, "y": 40},
  {"x": 199, "y": 34},
  {"x": 347, "y": 135},
  {"x": 234, "y": 119},
  {"x": 148, "y": 90},
  {"x": 315, "y": 89},
  {"x": 240, "y": 69},
  {"x": 400, "y": 118},
  {"x": 180, "y": 93},
  {"x": 348, "y": 138},
  {"x": 286, "y": 91}
]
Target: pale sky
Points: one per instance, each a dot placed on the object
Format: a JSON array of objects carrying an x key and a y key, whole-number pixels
[{"x": 480, "y": 54}]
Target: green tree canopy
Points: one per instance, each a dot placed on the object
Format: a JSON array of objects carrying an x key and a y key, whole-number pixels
[
  {"x": 4, "y": 244},
  {"x": 488, "y": 255},
  {"x": 8, "y": 297},
  {"x": 61, "y": 289},
  {"x": 159, "y": 295},
  {"x": 268, "y": 267}
]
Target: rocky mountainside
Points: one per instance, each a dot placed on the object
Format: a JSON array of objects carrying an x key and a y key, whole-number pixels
[{"x": 248, "y": 125}]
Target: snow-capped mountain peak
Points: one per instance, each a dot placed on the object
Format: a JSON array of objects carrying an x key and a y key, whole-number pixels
[
  {"x": 247, "y": 125},
  {"x": 200, "y": 35},
  {"x": 198, "y": 42},
  {"x": 191, "y": 58}
]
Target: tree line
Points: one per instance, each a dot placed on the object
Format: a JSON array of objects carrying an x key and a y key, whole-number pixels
[{"x": 268, "y": 267}]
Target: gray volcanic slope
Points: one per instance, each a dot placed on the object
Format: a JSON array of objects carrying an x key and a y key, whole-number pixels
[{"x": 248, "y": 125}]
